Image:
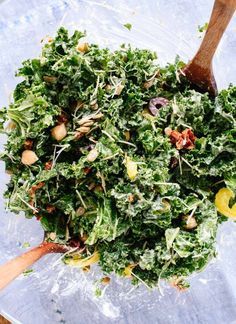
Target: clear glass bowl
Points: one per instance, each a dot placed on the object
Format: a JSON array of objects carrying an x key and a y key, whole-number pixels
[{"x": 54, "y": 293}]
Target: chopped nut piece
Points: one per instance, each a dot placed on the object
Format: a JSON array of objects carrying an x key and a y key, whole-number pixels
[
  {"x": 148, "y": 84},
  {"x": 191, "y": 222},
  {"x": 79, "y": 104},
  {"x": 88, "y": 123},
  {"x": 80, "y": 211},
  {"x": 168, "y": 131},
  {"x": 28, "y": 157},
  {"x": 84, "y": 120},
  {"x": 84, "y": 238},
  {"x": 91, "y": 186},
  {"x": 105, "y": 280},
  {"x": 119, "y": 89},
  {"x": 131, "y": 198},
  {"x": 98, "y": 116},
  {"x": 108, "y": 87},
  {"x": 93, "y": 102},
  {"x": 147, "y": 115},
  {"x": 94, "y": 106},
  {"x": 59, "y": 132},
  {"x": 98, "y": 189},
  {"x": 83, "y": 47},
  {"x": 10, "y": 125},
  {"x": 93, "y": 154},
  {"x": 52, "y": 236},
  {"x": 83, "y": 129},
  {"x": 78, "y": 135},
  {"x": 127, "y": 135},
  {"x": 49, "y": 79}
]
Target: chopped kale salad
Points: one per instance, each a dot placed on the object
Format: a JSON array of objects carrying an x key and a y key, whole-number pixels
[{"x": 120, "y": 158}]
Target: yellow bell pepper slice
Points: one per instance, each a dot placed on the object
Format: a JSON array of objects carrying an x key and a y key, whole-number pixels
[
  {"x": 81, "y": 263},
  {"x": 128, "y": 270},
  {"x": 222, "y": 199},
  {"x": 132, "y": 168}
]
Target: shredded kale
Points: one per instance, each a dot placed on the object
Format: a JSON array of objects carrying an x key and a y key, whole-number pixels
[
  {"x": 128, "y": 26},
  {"x": 114, "y": 153},
  {"x": 203, "y": 28}
]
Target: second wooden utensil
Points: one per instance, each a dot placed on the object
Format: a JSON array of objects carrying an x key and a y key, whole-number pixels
[{"x": 13, "y": 268}]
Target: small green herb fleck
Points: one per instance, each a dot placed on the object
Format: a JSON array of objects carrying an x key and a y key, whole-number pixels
[
  {"x": 203, "y": 28},
  {"x": 128, "y": 26},
  {"x": 98, "y": 292},
  {"x": 27, "y": 272},
  {"x": 25, "y": 245}
]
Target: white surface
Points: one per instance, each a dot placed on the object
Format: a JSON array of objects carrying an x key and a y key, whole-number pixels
[{"x": 58, "y": 294}]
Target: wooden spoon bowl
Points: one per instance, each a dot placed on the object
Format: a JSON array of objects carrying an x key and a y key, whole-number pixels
[{"x": 199, "y": 70}]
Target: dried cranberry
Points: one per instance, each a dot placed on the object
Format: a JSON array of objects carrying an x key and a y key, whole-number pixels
[
  {"x": 48, "y": 165},
  {"x": 50, "y": 209},
  {"x": 62, "y": 118},
  {"x": 75, "y": 243},
  {"x": 28, "y": 144},
  {"x": 87, "y": 170},
  {"x": 173, "y": 162}
]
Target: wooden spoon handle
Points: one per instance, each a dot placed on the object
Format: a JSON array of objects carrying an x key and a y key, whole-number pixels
[
  {"x": 13, "y": 268},
  {"x": 222, "y": 12}
]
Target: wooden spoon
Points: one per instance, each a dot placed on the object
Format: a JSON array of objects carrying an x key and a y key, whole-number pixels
[
  {"x": 13, "y": 268},
  {"x": 199, "y": 70}
]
